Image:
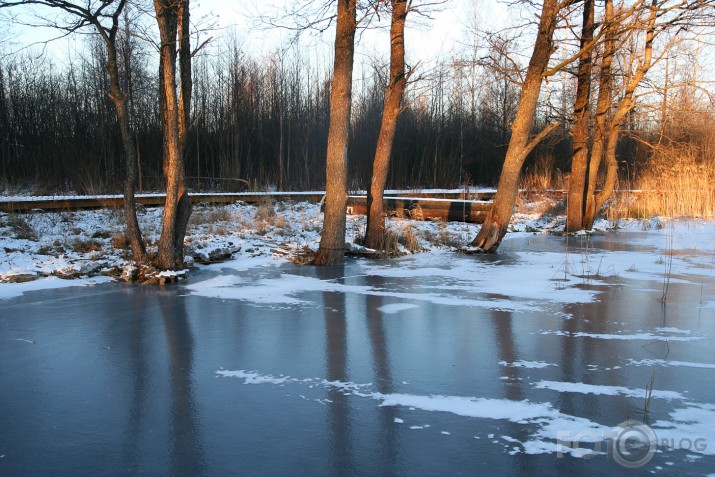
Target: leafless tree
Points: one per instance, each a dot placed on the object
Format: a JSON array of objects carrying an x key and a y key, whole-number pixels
[
  {"x": 520, "y": 144},
  {"x": 375, "y": 233},
  {"x": 392, "y": 107},
  {"x": 581, "y": 129},
  {"x": 651, "y": 28},
  {"x": 103, "y": 17}
]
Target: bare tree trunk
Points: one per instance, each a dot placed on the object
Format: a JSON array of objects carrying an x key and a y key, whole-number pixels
[
  {"x": 497, "y": 221},
  {"x": 374, "y": 237},
  {"x": 119, "y": 99},
  {"x": 625, "y": 105},
  {"x": 184, "y": 207},
  {"x": 578, "y": 181},
  {"x": 332, "y": 239},
  {"x": 133, "y": 232},
  {"x": 177, "y": 209},
  {"x": 600, "y": 130}
]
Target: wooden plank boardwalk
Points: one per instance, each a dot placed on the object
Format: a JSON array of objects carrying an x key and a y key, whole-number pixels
[
  {"x": 421, "y": 205},
  {"x": 423, "y": 208}
]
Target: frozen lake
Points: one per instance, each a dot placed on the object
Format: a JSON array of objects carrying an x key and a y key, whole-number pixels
[{"x": 435, "y": 364}]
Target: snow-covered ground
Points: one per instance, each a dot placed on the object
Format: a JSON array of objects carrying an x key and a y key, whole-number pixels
[
  {"x": 89, "y": 243},
  {"x": 86, "y": 244}
]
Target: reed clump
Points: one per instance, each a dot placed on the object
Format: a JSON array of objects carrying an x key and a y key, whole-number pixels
[
  {"x": 543, "y": 175},
  {"x": 678, "y": 181}
]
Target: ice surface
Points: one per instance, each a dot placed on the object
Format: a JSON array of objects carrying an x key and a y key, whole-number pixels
[
  {"x": 286, "y": 288},
  {"x": 544, "y": 421},
  {"x": 531, "y": 279}
]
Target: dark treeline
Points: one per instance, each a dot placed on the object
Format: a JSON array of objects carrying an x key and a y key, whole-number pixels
[{"x": 257, "y": 122}]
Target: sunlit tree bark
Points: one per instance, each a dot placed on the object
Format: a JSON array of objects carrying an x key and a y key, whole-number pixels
[
  {"x": 375, "y": 233},
  {"x": 580, "y": 131},
  {"x": 332, "y": 239},
  {"x": 601, "y": 120},
  {"x": 497, "y": 221},
  {"x": 647, "y": 19},
  {"x": 172, "y": 18}
]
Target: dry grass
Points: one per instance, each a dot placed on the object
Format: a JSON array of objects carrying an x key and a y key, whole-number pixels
[
  {"x": 21, "y": 227},
  {"x": 390, "y": 244},
  {"x": 394, "y": 242},
  {"x": 543, "y": 176},
  {"x": 540, "y": 186},
  {"x": 679, "y": 181},
  {"x": 120, "y": 242},
  {"x": 303, "y": 255},
  {"x": 220, "y": 214},
  {"x": 266, "y": 220},
  {"x": 265, "y": 210},
  {"x": 409, "y": 239},
  {"x": 443, "y": 236},
  {"x": 541, "y": 202},
  {"x": 387, "y": 248},
  {"x": 210, "y": 216},
  {"x": 86, "y": 246}
]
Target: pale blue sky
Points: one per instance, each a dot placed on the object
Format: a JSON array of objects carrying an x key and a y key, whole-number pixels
[{"x": 426, "y": 38}]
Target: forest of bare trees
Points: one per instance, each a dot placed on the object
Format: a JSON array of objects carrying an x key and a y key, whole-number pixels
[{"x": 257, "y": 122}]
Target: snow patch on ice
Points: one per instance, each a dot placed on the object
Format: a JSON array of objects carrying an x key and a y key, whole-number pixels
[
  {"x": 251, "y": 377},
  {"x": 12, "y": 290},
  {"x": 534, "y": 269},
  {"x": 628, "y": 337},
  {"x": 671, "y": 329},
  {"x": 583, "y": 388},
  {"x": 527, "y": 364},
  {"x": 284, "y": 289},
  {"x": 396, "y": 307},
  {"x": 668, "y": 363},
  {"x": 514, "y": 411},
  {"x": 694, "y": 425}
]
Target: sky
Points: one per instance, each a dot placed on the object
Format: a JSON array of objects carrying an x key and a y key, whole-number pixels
[{"x": 426, "y": 38}]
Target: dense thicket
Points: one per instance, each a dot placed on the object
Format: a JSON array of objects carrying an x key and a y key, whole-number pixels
[
  {"x": 257, "y": 122},
  {"x": 262, "y": 121}
]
